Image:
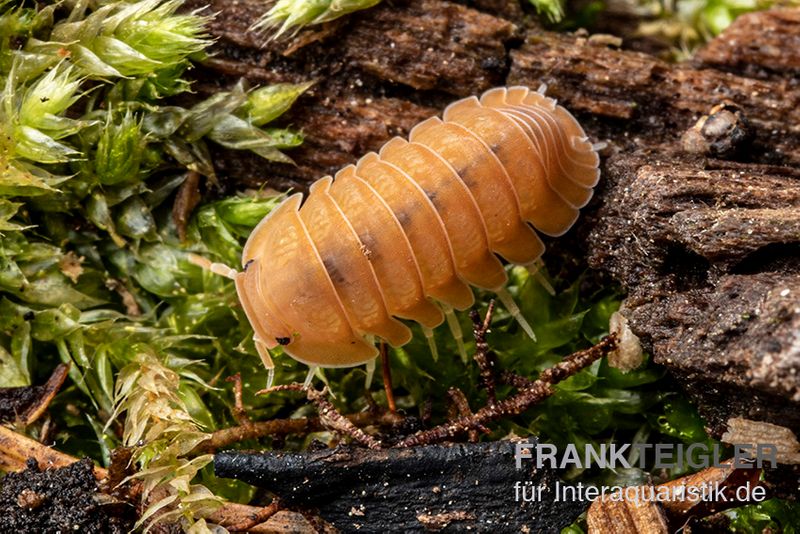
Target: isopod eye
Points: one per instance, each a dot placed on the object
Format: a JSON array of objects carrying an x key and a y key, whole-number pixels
[
  {"x": 248, "y": 264},
  {"x": 283, "y": 340}
]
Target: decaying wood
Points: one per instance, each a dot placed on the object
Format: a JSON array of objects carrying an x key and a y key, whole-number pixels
[
  {"x": 455, "y": 487},
  {"x": 758, "y": 45},
  {"x": 709, "y": 253},
  {"x": 742, "y": 430},
  {"x": 725, "y": 477},
  {"x": 667, "y": 507},
  {"x": 652, "y": 99},
  {"x": 27, "y": 404},
  {"x": 232, "y": 514},
  {"x": 16, "y": 449},
  {"x": 607, "y": 516}
]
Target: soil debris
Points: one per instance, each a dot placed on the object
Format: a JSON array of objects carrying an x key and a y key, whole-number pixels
[{"x": 58, "y": 501}]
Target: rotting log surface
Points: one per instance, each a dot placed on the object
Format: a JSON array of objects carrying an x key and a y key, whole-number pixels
[
  {"x": 708, "y": 249},
  {"x": 772, "y": 54},
  {"x": 711, "y": 259},
  {"x": 451, "y": 488}
]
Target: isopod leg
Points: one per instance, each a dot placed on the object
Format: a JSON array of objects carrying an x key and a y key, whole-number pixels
[
  {"x": 266, "y": 359},
  {"x": 535, "y": 269},
  {"x": 455, "y": 329},
  {"x": 431, "y": 342},
  {"x": 311, "y": 371},
  {"x": 370, "y": 373},
  {"x": 508, "y": 301}
]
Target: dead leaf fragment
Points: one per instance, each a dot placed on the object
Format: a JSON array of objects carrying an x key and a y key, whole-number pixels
[{"x": 71, "y": 265}]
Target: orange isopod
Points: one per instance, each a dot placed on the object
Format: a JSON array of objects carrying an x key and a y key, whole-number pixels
[{"x": 404, "y": 233}]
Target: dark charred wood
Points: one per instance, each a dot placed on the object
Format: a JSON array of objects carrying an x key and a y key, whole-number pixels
[{"x": 444, "y": 488}]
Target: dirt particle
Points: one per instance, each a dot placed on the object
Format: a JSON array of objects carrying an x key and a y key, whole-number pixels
[{"x": 30, "y": 499}]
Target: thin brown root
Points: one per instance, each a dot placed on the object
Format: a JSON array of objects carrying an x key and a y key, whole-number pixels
[
  {"x": 238, "y": 411},
  {"x": 278, "y": 428},
  {"x": 516, "y": 404},
  {"x": 387, "y": 378},
  {"x": 461, "y": 405},
  {"x": 333, "y": 419},
  {"x": 484, "y": 357}
]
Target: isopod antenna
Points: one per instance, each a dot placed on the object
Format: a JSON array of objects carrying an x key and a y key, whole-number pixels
[{"x": 230, "y": 273}]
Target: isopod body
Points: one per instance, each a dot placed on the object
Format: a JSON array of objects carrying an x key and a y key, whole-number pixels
[{"x": 404, "y": 233}]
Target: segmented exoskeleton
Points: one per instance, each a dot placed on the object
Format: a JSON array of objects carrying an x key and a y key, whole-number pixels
[{"x": 403, "y": 233}]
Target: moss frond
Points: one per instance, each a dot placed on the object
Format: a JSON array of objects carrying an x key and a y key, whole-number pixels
[{"x": 293, "y": 15}]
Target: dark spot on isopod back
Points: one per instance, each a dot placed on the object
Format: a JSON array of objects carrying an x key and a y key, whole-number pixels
[
  {"x": 464, "y": 174},
  {"x": 333, "y": 271},
  {"x": 432, "y": 195},
  {"x": 282, "y": 340},
  {"x": 403, "y": 218},
  {"x": 366, "y": 239},
  {"x": 367, "y": 246}
]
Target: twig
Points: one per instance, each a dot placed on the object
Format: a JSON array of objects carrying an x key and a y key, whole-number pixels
[
  {"x": 238, "y": 411},
  {"x": 26, "y": 404},
  {"x": 516, "y": 404},
  {"x": 329, "y": 416},
  {"x": 483, "y": 355},
  {"x": 461, "y": 404},
  {"x": 518, "y": 381},
  {"x": 260, "y": 515},
  {"x": 387, "y": 378},
  {"x": 282, "y": 427}
]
